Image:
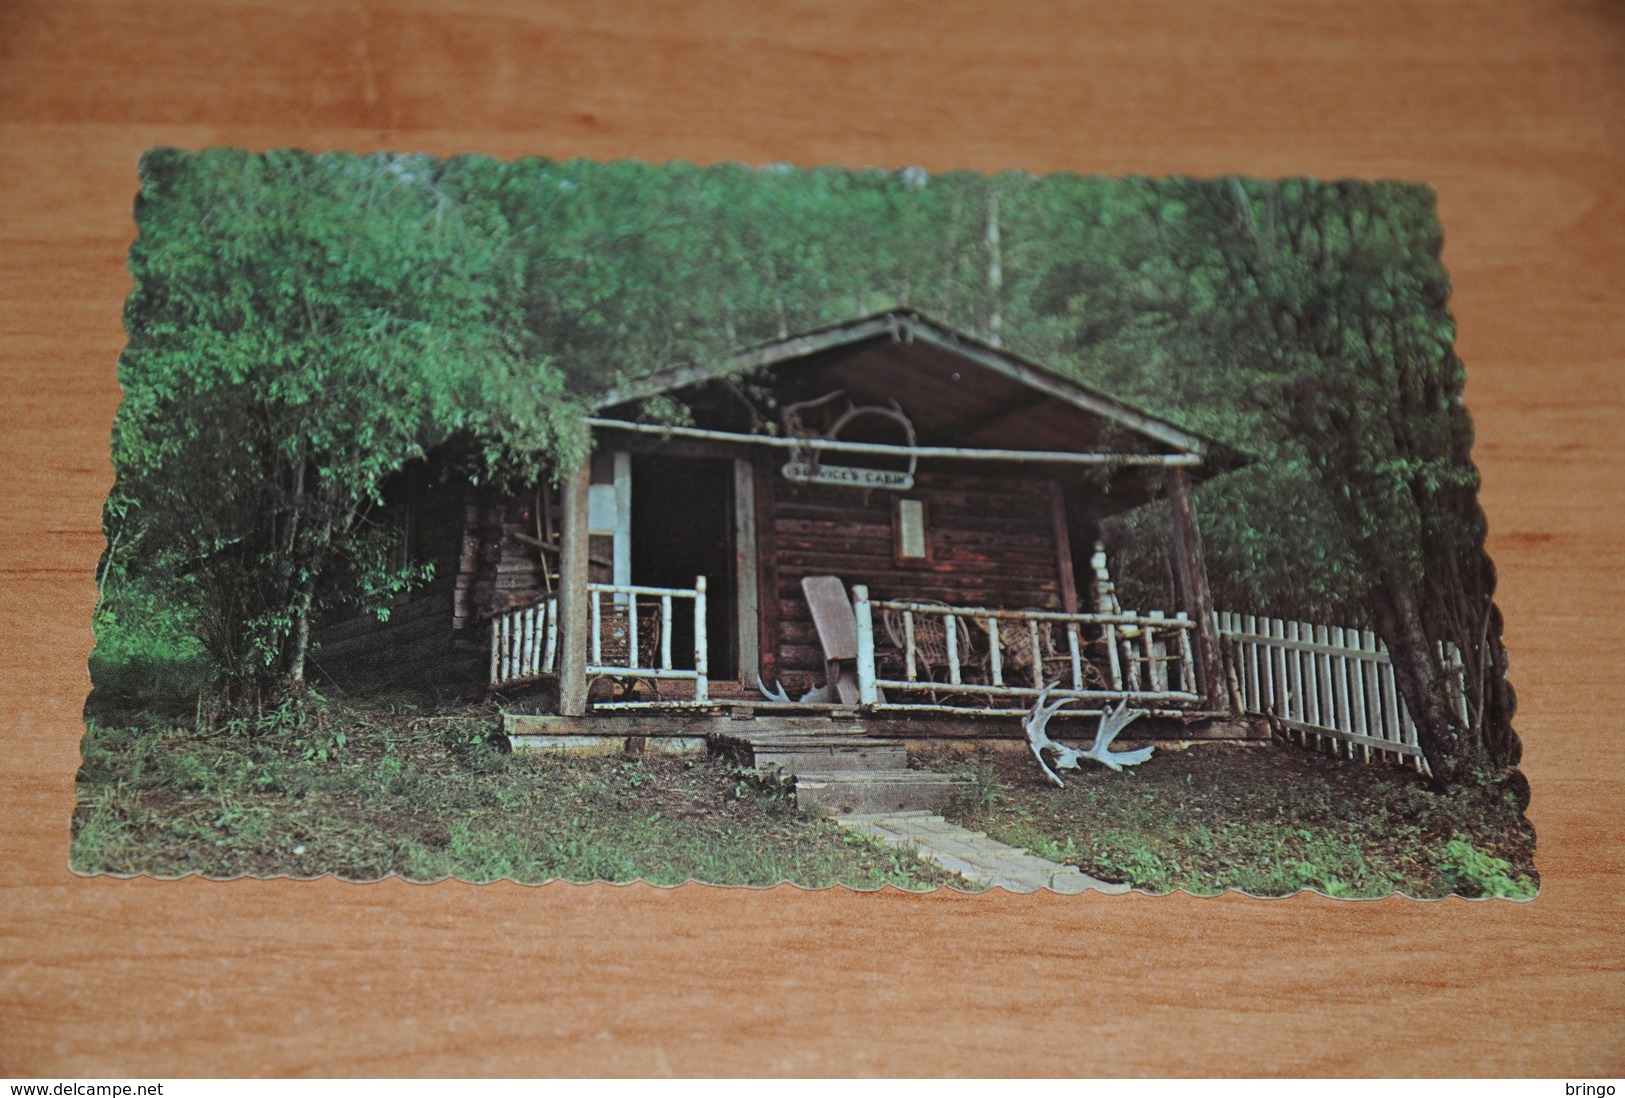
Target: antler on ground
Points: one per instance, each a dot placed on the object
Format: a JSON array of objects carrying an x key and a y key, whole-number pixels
[
  {"x": 1112, "y": 724},
  {"x": 777, "y": 692},
  {"x": 1038, "y": 739}
]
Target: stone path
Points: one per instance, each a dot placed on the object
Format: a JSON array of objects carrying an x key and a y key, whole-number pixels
[{"x": 973, "y": 855}]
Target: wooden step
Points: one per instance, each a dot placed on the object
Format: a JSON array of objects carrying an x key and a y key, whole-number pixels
[
  {"x": 823, "y": 724},
  {"x": 837, "y": 767},
  {"x": 792, "y": 711},
  {"x": 869, "y": 792},
  {"x": 767, "y": 746},
  {"x": 791, "y": 757}
]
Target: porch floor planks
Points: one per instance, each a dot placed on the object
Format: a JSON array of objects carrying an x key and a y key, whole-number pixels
[{"x": 838, "y": 720}]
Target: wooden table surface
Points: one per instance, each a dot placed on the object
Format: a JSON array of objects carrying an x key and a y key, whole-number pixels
[{"x": 1514, "y": 111}]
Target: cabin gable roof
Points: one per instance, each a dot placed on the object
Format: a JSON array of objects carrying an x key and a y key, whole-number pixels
[{"x": 909, "y": 328}]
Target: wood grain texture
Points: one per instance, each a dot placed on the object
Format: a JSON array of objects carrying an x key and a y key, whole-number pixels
[{"x": 1513, "y": 111}]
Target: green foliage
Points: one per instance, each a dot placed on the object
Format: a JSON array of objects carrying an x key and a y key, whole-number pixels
[
  {"x": 1473, "y": 872},
  {"x": 146, "y": 648},
  {"x": 774, "y": 790},
  {"x": 1054, "y": 851},
  {"x": 302, "y": 328},
  {"x": 986, "y": 790}
]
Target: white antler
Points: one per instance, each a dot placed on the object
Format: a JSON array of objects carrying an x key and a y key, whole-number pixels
[
  {"x": 777, "y": 692},
  {"x": 1038, "y": 739},
  {"x": 1110, "y": 725},
  {"x": 1036, "y": 724}
]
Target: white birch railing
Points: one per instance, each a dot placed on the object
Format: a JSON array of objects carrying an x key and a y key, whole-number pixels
[
  {"x": 525, "y": 643},
  {"x": 1004, "y": 658},
  {"x": 629, "y": 638},
  {"x": 628, "y": 643},
  {"x": 1329, "y": 686}
]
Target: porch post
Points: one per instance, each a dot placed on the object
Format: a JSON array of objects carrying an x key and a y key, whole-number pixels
[
  {"x": 573, "y": 592},
  {"x": 622, "y": 552},
  {"x": 1196, "y": 599},
  {"x": 868, "y": 694},
  {"x": 747, "y": 580}
]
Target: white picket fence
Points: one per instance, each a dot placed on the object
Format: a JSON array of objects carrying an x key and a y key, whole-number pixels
[{"x": 1328, "y": 686}]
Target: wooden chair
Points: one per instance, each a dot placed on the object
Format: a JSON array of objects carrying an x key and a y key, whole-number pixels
[
  {"x": 931, "y": 644},
  {"x": 837, "y": 627},
  {"x": 1017, "y": 655},
  {"x": 615, "y": 643}
]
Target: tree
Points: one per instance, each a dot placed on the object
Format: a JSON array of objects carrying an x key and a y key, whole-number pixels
[
  {"x": 1307, "y": 323},
  {"x": 1352, "y": 290},
  {"x": 301, "y": 328},
  {"x": 1139, "y": 293}
]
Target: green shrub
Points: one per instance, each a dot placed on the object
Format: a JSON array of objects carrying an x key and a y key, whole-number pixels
[
  {"x": 1472, "y": 872},
  {"x": 145, "y": 648}
]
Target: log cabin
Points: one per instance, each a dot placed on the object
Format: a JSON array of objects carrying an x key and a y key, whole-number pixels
[{"x": 885, "y": 518}]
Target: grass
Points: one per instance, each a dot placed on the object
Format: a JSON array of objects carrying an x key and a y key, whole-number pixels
[
  {"x": 364, "y": 792},
  {"x": 1268, "y": 820}
]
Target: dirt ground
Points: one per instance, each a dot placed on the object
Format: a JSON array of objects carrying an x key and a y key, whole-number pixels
[
  {"x": 1268, "y": 819},
  {"x": 363, "y": 792}
]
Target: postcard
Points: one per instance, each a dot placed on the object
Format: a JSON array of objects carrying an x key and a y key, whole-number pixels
[{"x": 585, "y": 521}]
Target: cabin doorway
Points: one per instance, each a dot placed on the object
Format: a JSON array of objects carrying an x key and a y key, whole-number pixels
[{"x": 682, "y": 527}]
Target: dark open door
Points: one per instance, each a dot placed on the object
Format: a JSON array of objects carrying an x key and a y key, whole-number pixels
[{"x": 682, "y": 527}]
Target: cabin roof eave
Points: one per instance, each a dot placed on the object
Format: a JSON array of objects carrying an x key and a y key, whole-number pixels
[{"x": 910, "y": 325}]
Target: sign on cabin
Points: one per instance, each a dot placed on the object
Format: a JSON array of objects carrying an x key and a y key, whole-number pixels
[
  {"x": 806, "y": 472},
  {"x": 806, "y": 468},
  {"x": 910, "y": 528}
]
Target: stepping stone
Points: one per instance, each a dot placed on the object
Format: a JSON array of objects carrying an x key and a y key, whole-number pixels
[{"x": 973, "y": 855}]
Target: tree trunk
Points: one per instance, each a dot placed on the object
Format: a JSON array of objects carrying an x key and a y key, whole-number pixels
[
  {"x": 301, "y": 642},
  {"x": 1465, "y": 578},
  {"x": 1191, "y": 584},
  {"x": 1422, "y": 683},
  {"x": 305, "y": 600}
]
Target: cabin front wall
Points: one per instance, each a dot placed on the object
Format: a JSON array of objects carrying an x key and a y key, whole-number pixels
[
  {"x": 992, "y": 539},
  {"x": 991, "y": 536}
]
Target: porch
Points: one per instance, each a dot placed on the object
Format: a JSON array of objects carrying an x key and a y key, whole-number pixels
[{"x": 906, "y": 658}]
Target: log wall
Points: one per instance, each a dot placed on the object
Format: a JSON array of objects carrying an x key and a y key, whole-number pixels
[
  {"x": 415, "y": 648},
  {"x": 499, "y": 565},
  {"x": 483, "y": 545},
  {"x": 415, "y": 645},
  {"x": 993, "y": 542}
]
